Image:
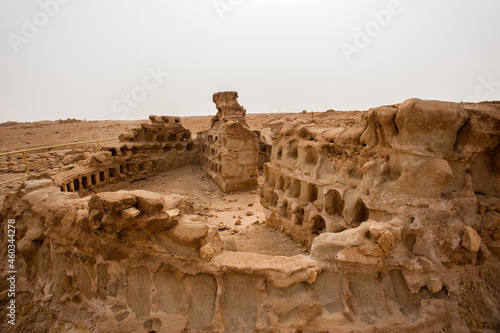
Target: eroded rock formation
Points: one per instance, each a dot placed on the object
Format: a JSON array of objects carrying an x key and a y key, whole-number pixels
[
  {"x": 230, "y": 148},
  {"x": 150, "y": 149},
  {"x": 401, "y": 212},
  {"x": 414, "y": 186},
  {"x": 138, "y": 261}
]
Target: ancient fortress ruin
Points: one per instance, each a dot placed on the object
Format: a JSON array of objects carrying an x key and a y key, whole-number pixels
[{"x": 401, "y": 213}]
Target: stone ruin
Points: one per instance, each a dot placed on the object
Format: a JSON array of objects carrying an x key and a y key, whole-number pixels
[
  {"x": 153, "y": 148},
  {"x": 230, "y": 149},
  {"x": 401, "y": 212}
]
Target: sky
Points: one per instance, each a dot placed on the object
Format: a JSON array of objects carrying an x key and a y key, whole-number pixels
[{"x": 124, "y": 59}]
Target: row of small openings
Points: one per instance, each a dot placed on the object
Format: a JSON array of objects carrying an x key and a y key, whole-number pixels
[
  {"x": 212, "y": 139},
  {"x": 172, "y": 137},
  {"x": 153, "y": 137},
  {"x": 215, "y": 167},
  {"x": 179, "y": 147},
  {"x": 311, "y": 156},
  {"x": 292, "y": 150},
  {"x": 334, "y": 204},
  {"x": 293, "y": 186},
  {"x": 84, "y": 184},
  {"x": 209, "y": 150},
  {"x": 168, "y": 147}
]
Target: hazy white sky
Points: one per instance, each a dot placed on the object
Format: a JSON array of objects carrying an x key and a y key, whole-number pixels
[{"x": 107, "y": 59}]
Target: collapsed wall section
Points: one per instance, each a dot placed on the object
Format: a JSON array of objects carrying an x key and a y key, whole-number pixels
[
  {"x": 150, "y": 149},
  {"x": 229, "y": 149}
]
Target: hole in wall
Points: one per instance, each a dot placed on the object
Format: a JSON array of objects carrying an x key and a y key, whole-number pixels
[
  {"x": 85, "y": 183},
  {"x": 311, "y": 156},
  {"x": 334, "y": 205},
  {"x": 293, "y": 149},
  {"x": 76, "y": 185},
  {"x": 298, "y": 216},
  {"x": 318, "y": 225},
  {"x": 295, "y": 188},
  {"x": 312, "y": 193}
]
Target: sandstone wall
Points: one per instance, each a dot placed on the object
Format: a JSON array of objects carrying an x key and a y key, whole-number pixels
[
  {"x": 230, "y": 149},
  {"x": 415, "y": 185},
  {"x": 153, "y": 148},
  {"x": 139, "y": 262}
]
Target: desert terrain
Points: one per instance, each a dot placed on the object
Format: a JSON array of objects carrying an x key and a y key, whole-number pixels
[
  {"x": 386, "y": 220},
  {"x": 239, "y": 215}
]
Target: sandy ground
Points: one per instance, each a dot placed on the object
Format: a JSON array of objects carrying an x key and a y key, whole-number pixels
[
  {"x": 224, "y": 210},
  {"x": 16, "y": 136}
]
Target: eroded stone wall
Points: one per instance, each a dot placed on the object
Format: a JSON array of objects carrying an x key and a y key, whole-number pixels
[
  {"x": 150, "y": 149},
  {"x": 230, "y": 149},
  {"x": 138, "y": 261},
  {"x": 414, "y": 185},
  {"x": 401, "y": 212}
]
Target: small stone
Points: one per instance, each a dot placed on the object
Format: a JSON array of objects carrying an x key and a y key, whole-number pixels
[
  {"x": 250, "y": 204},
  {"x": 434, "y": 285},
  {"x": 237, "y": 222},
  {"x": 173, "y": 212},
  {"x": 471, "y": 241},
  {"x": 130, "y": 213},
  {"x": 387, "y": 241},
  {"x": 222, "y": 226},
  {"x": 312, "y": 274},
  {"x": 249, "y": 213},
  {"x": 206, "y": 252},
  {"x": 256, "y": 222}
]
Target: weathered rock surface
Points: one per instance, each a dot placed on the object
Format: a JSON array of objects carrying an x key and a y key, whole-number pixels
[
  {"x": 230, "y": 149},
  {"x": 401, "y": 211},
  {"x": 148, "y": 150}
]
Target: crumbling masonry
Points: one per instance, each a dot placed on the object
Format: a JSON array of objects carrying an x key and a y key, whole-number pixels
[
  {"x": 401, "y": 212},
  {"x": 230, "y": 148}
]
